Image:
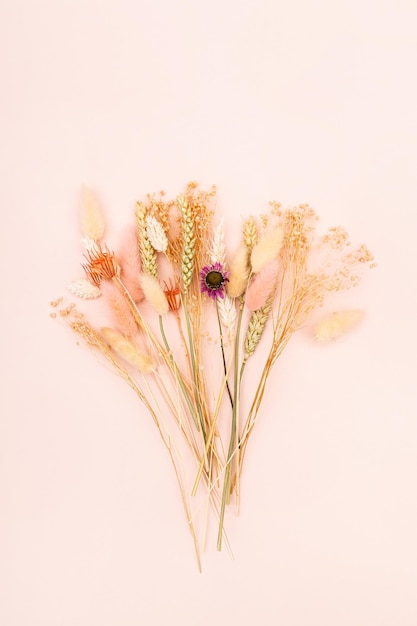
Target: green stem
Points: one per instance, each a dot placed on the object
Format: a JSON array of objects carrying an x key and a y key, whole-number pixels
[
  {"x": 178, "y": 375},
  {"x": 232, "y": 443},
  {"x": 222, "y": 347}
]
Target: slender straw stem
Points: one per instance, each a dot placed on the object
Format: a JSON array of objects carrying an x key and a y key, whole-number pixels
[
  {"x": 193, "y": 365},
  {"x": 223, "y": 356},
  {"x": 178, "y": 375},
  {"x": 232, "y": 443}
]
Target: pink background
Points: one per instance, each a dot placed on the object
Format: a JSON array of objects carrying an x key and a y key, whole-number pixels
[{"x": 294, "y": 101}]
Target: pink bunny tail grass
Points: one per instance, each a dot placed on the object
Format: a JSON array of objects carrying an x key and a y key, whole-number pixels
[
  {"x": 119, "y": 307},
  {"x": 262, "y": 286},
  {"x": 129, "y": 259}
]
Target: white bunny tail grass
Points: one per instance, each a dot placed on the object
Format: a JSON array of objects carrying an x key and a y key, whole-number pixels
[
  {"x": 84, "y": 289},
  {"x": 217, "y": 247},
  {"x": 127, "y": 350},
  {"x": 267, "y": 249},
  {"x": 154, "y": 293},
  {"x": 227, "y": 312},
  {"x": 156, "y": 234},
  {"x": 91, "y": 215},
  {"x": 337, "y": 324}
]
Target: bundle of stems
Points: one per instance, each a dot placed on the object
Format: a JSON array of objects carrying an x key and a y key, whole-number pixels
[{"x": 185, "y": 318}]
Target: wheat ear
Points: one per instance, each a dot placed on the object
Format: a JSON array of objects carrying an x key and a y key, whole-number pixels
[
  {"x": 188, "y": 248},
  {"x": 147, "y": 252},
  {"x": 256, "y": 327}
]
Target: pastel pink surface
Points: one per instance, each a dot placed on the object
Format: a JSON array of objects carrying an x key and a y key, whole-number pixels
[{"x": 297, "y": 102}]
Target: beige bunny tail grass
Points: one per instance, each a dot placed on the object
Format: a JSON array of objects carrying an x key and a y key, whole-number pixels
[
  {"x": 267, "y": 249},
  {"x": 262, "y": 286},
  {"x": 129, "y": 261},
  {"x": 119, "y": 308},
  {"x": 84, "y": 289},
  {"x": 91, "y": 215},
  {"x": 154, "y": 293},
  {"x": 127, "y": 350},
  {"x": 239, "y": 273},
  {"x": 337, "y": 324}
]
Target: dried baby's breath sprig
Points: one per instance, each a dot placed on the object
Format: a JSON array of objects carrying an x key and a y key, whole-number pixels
[
  {"x": 83, "y": 288},
  {"x": 127, "y": 350},
  {"x": 267, "y": 249},
  {"x": 147, "y": 252},
  {"x": 156, "y": 234},
  {"x": 239, "y": 273},
  {"x": 154, "y": 293},
  {"x": 91, "y": 215},
  {"x": 188, "y": 250}
]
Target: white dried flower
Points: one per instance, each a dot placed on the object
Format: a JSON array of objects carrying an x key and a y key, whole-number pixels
[
  {"x": 89, "y": 244},
  {"x": 218, "y": 248},
  {"x": 84, "y": 289},
  {"x": 156, "y": 234},
  {"x": 227, "y": 312}
]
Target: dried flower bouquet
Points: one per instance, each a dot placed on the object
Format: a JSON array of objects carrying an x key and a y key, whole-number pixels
[{"x": 187, "y": 316}]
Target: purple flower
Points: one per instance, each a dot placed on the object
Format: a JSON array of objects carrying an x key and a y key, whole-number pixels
[{"x": 213, "y": 280}]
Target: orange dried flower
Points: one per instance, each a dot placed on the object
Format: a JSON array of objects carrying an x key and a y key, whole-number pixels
[
  {"x": 101, "y": 264},
  {"x": 172, "y": 293}
]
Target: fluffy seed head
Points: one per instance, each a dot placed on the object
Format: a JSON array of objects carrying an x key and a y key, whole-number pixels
[
  {"x": 129, "y": 259},
  {"x": 262, "y": 286},
  {"x": 239, "y": 273},
  {"x": 119, "y": 308},
  {"x": 127, "y": 350},
  {"x": 91, "y": 215},
  {"x": 337, "y": 324},
  {"x": 267, "y": 249},
  {"x": 154, "y": 293}
]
